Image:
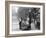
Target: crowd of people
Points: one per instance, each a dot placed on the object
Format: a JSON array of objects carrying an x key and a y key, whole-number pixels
[{"x": 30, "y": 20}]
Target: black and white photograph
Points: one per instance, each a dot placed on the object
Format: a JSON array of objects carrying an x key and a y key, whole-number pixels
[{"x": 25, "y": 18}]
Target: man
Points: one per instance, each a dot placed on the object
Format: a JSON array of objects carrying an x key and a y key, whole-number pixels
[
  {"x": 20, "y": 23},
  {"x": 38, "y": 21},
  {"x": 29, "y": 19}
]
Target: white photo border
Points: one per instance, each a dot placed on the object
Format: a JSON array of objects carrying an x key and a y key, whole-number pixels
[{"x": 24, "y": 32}]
